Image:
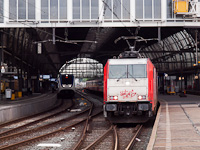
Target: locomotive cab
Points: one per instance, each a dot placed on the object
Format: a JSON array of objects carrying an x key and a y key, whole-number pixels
[{"x": 129, "y": 90}]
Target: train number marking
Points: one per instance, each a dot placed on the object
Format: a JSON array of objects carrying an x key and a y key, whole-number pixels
[{"x": 127, "y": 94}]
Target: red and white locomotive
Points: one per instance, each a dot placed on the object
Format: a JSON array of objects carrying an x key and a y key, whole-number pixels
[{"x": 130, "y": 90}]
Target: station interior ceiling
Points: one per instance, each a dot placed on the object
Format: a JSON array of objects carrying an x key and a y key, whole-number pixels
[{"x": 175, "y": 50}]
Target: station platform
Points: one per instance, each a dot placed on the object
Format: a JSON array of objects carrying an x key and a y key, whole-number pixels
[
  {"x": 25, "y": 106},
  {"x": 177, "y": 125},
  {"x": 26, "y": 98}
]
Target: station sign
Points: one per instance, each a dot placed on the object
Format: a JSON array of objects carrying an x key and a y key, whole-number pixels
[{"x": 39, "y": 48}]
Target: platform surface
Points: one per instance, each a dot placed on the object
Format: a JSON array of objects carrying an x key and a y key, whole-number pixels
[
  {"x": 4, "y": 103},
  {"x": 26, "y": 106},
  {"x": 177, "y": 126}
]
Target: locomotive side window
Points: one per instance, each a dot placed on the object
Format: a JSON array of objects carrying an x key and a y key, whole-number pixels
[
  {"x": 117, "y": 71},
  {"x": 137, "y": 71},
  {"x": 67, "y": 79}
]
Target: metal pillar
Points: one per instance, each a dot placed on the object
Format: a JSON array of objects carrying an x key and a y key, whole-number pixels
[
  {"x": 196, "y": 32},
  {"x": 181, "y": 73},
  {"x": 159, "y": 34},
  {"x": 54, "y": 36},
  {"x": 20, "y": 74},
  {"x": 1, "y": 50},
  {"x": 198, "y": 82}
]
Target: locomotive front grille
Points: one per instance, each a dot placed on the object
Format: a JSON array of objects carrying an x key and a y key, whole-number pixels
[{"x": 128, "y": 109}]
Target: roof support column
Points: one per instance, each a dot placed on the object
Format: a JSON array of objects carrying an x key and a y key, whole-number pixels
[
  {"x": 21, "y": 77},
  {"x": 28, "y": 80},
  {"x": 24, "y": 79},
  {"x": 196, "y": 32},
  {"x": 159, "y": 34},
  {"x": 54, "y": 36},
  {"x": 1, "y": 50},
  {"x": 198, "y": 86},
  {"x": 11, "y": 65}
]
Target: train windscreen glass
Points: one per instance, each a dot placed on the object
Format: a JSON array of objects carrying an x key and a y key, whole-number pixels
[
  {"x": 67, "y": 79},
  {"x": 127, "y": 71},
  {"x": 117, "y": 71},
  {"x": 137, "y": 71}
]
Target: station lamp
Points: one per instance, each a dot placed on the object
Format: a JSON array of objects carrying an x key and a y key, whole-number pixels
[{"x": 3, "y": 69}]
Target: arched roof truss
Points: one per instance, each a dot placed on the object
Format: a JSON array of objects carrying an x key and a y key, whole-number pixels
[
  {"x": 21, "y": 52},
  {"x": 172, "y": 53}
]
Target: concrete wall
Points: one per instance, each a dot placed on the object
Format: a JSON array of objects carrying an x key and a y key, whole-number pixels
[{"x": 27, "y": 107}]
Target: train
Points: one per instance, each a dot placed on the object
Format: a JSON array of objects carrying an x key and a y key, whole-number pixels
[
  {"x": 130, "y": 90},
  {"x": 95, "y": 84},
  {"x": 66, "y": 86}
]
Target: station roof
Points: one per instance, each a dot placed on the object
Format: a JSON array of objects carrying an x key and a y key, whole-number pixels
[{"x": 176, "y": 48}]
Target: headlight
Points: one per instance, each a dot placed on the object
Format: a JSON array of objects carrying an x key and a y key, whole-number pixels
[
  {"x": 111, "y": 107},
  {"x": 113, "y": 97},
  {"x": 141, "y": 97}
]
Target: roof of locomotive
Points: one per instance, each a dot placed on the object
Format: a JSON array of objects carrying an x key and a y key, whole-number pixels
[{"x": 128, "y": 61}]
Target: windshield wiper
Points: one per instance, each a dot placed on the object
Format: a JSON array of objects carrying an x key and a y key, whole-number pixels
[
  {"x": 121, "y": 76},
  {"x": 132, "y": 76}
]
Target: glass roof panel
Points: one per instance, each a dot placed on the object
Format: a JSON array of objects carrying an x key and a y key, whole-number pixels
[{"x": 83, "y": 68}]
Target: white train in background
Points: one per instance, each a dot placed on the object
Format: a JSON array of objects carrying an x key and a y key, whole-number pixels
[{"x": 66, "y": 86}]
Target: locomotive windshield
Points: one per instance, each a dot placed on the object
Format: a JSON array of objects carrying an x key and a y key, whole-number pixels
[
  {"x": 117, "y": 71},
  {"x": 127, "y": 71},
  {"x": 137, "y": 71},
  {"x": 67, "y": 79}
]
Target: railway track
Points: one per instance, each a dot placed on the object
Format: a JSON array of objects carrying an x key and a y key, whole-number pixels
[
  {"x": 122, "y": 138},
  {"x": 133, "y": 139},
  {"x": 80, "y": 130},
  {"x": 74, "y": 120},
  {"x": 115, "y": 138},
  {"x": 27, "y": 122}
]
